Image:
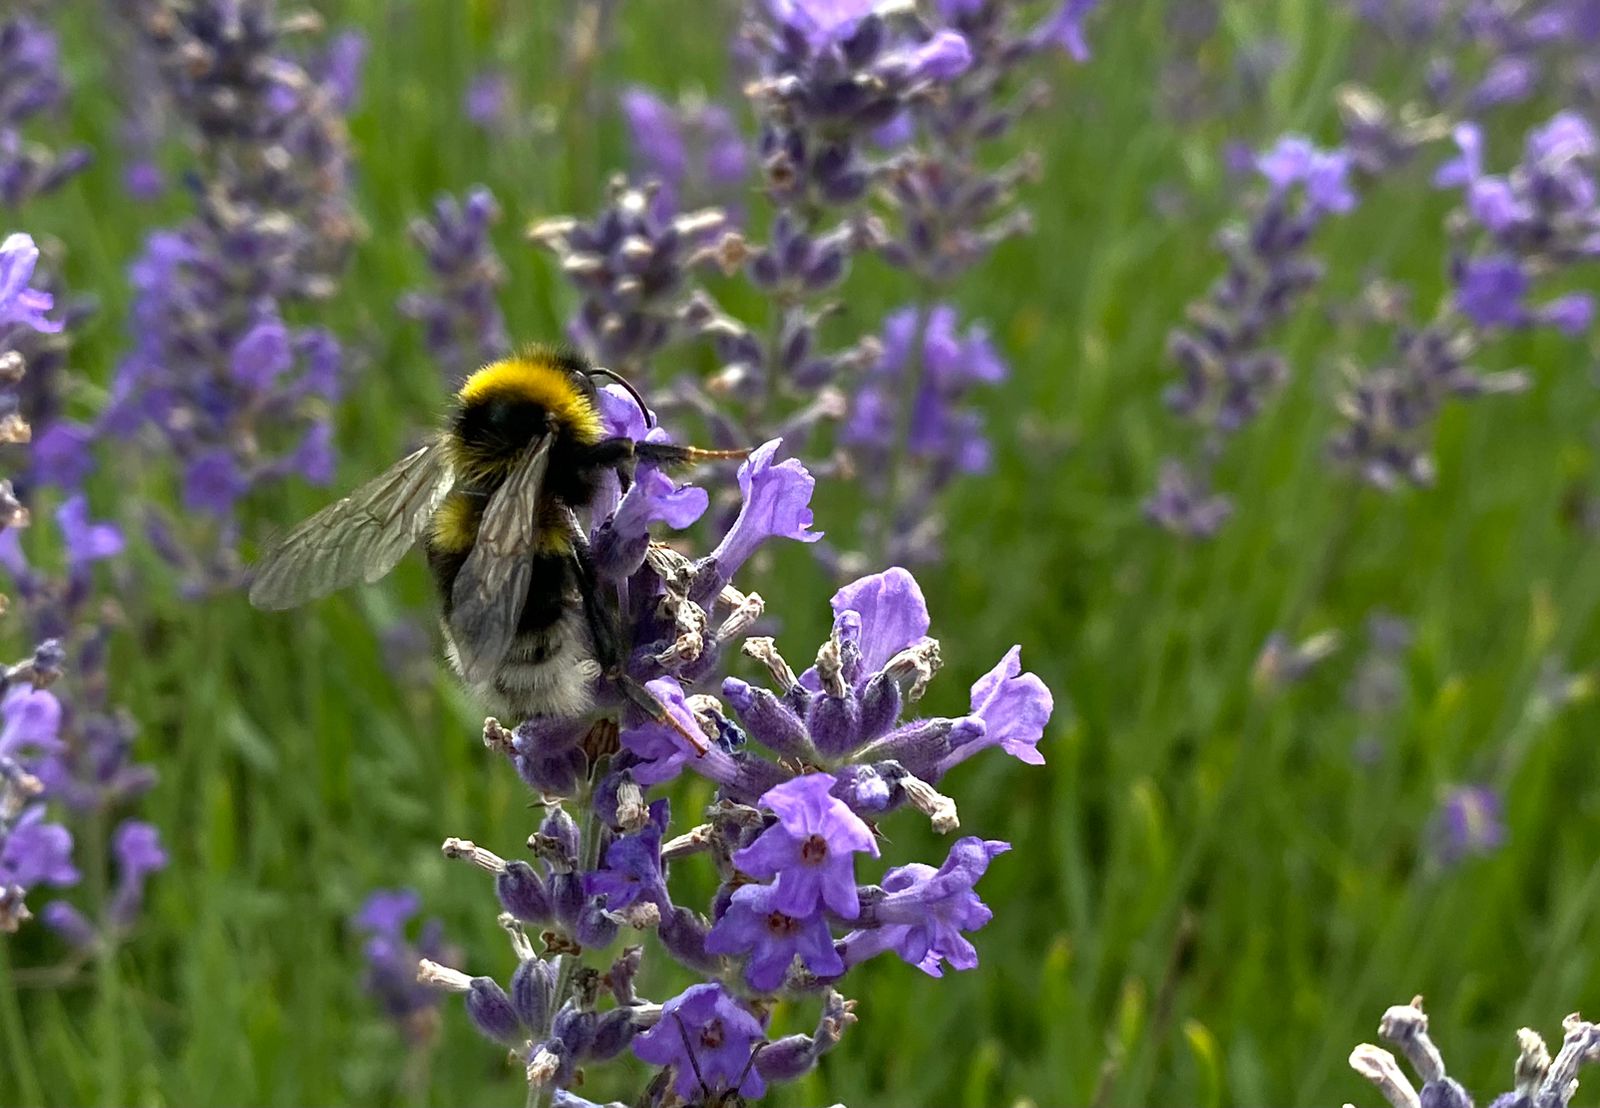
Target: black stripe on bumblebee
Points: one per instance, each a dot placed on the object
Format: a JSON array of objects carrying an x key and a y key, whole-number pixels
[{"x": 494, "y": 500}]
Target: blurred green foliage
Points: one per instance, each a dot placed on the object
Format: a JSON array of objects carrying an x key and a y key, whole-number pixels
[{"x": 1210, "y": 900}]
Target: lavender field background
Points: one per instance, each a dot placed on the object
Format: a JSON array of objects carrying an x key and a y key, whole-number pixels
[{"x": 1304, "y": 549}]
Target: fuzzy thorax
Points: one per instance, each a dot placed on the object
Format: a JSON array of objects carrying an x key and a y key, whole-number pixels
[{"x": 540, "y": 377}]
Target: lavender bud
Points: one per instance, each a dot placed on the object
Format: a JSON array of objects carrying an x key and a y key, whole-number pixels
[
  {"x": 834, "y": 723},
  {"x": 566, "y": 898},
  {"x": 620, "y": 977},
  {"x": 769, "y": 720},
  {"x": 574, "y": 1029},
  {"x": 1443, "y": 1092},
  {"x": 595, "y": 929},
  {"x": 492, "y": 1012},
  {"x": 533, "y": 986},
  {"x": 683, "y": 935},
  {"x": 880, "y": 707},
  {"x": 522, "y": 893},
  {"x": 563, "y": 830},
  {"x": 612, "y": 1034}
]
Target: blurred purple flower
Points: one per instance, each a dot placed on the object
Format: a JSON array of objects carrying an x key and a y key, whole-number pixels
[
  {"x": 487, "y": 103},
  {"x": 18, "y": 302},
  {"x": 1469, "y": 821},
  {"x": 35, "y": 853}
]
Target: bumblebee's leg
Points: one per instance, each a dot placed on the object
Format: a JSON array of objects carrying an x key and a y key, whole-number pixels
[{"x": 607, "y": 638}]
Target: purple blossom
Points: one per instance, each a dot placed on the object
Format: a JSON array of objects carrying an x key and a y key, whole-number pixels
[
  {"x": 32, "y": 722},
  {"x": 391, "y": 960},
  {"x": 755, "y": 926},
  {"x": 632, "y": 870},
  {"x": 1470, "y": 821},
  {"x": 776, "y": 504},
  {"x": 31, "y": 86},
  {"x": 693, "y": 149},
  {"x": 214, "y": 483},
  {"x": 488, "y": 99},
  {"x": 86, "y": 541},
  {"x": 1324, "y": 174},
  {"x": 889, "y": 615},
  {"x": 459, "y": 310},
  {"x": 19, "y": 303},
  {"x": 706, "y": 1029},
  {"x": 822, "y": 23},
  {"x": 1491, "y": 292},
  {"x": 926, "y": 912},
  {"x": 1064, "y": 29},
  {"x": 660, "y": 747},
  {"x": 387, "y": 911},
  {"x": 810, "y": 850},
  {"x": 138, "y": 850},
  {"x": 35, "y": 852},
  {"x": 1014, "y": 708}
]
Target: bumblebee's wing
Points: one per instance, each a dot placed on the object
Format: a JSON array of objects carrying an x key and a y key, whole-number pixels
[
  {"x": 486, "y": 599},
  {"x": 360, "y": 538}
]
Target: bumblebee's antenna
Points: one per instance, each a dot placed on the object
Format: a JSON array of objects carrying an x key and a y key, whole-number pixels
[{"x": 600, "y": 371}]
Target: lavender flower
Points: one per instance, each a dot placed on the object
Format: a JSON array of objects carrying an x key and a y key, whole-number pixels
[
  {"x": 799, "y": 770},
  {"x": 1227, "y": 372},
  {"x": 1469, "y": 821},
  {"x": 925, "y": 913},
  {"x": 1539, "y": 1081},
  {"x": 810, "y": 849},
  {"x": 216, "y": 377},
  {"x": 391, "y": 975},
  {"x": 914, "y": 398},
  {"x": 31, "y": 85},
  {"x": 1541, "y": 218},
  {"x": 692, "y": 149},
  {"x": 488, "y": 99},
  {"x": 461, "y": 320}
]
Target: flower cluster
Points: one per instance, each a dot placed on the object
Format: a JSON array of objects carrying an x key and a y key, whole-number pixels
[
  {"x": 805, "y": 768},
  {"x": 462, "y": 326},
  {"x": 1528, "y": 225},
  {"x": 61, "y": 761},
  {"x": 31, "y": 85},
  {"x": 913, "y": 397},
  {"x": 1477, "y": 59},
  {"x": 1226, "y": 368},
  {"x": 217, "y": 376},
  {"x": 1538, "y": 1080},
  {"x": 872, "y": 132}
]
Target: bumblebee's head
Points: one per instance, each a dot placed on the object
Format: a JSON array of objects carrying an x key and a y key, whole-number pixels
[{"x": 507, "y": 405}]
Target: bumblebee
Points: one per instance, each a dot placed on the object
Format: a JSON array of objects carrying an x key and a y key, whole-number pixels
[{"x": 494, "y": 500}]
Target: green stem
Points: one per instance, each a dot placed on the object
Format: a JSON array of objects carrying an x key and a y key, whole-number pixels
[
  {"x": 108, "y": 999},
  {"x": 21, "y": 1057}
]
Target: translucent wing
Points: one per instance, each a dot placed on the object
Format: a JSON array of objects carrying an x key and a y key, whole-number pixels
[
  {"x": 360, "y": 538},
  {"x": 486, "y": 600}
]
